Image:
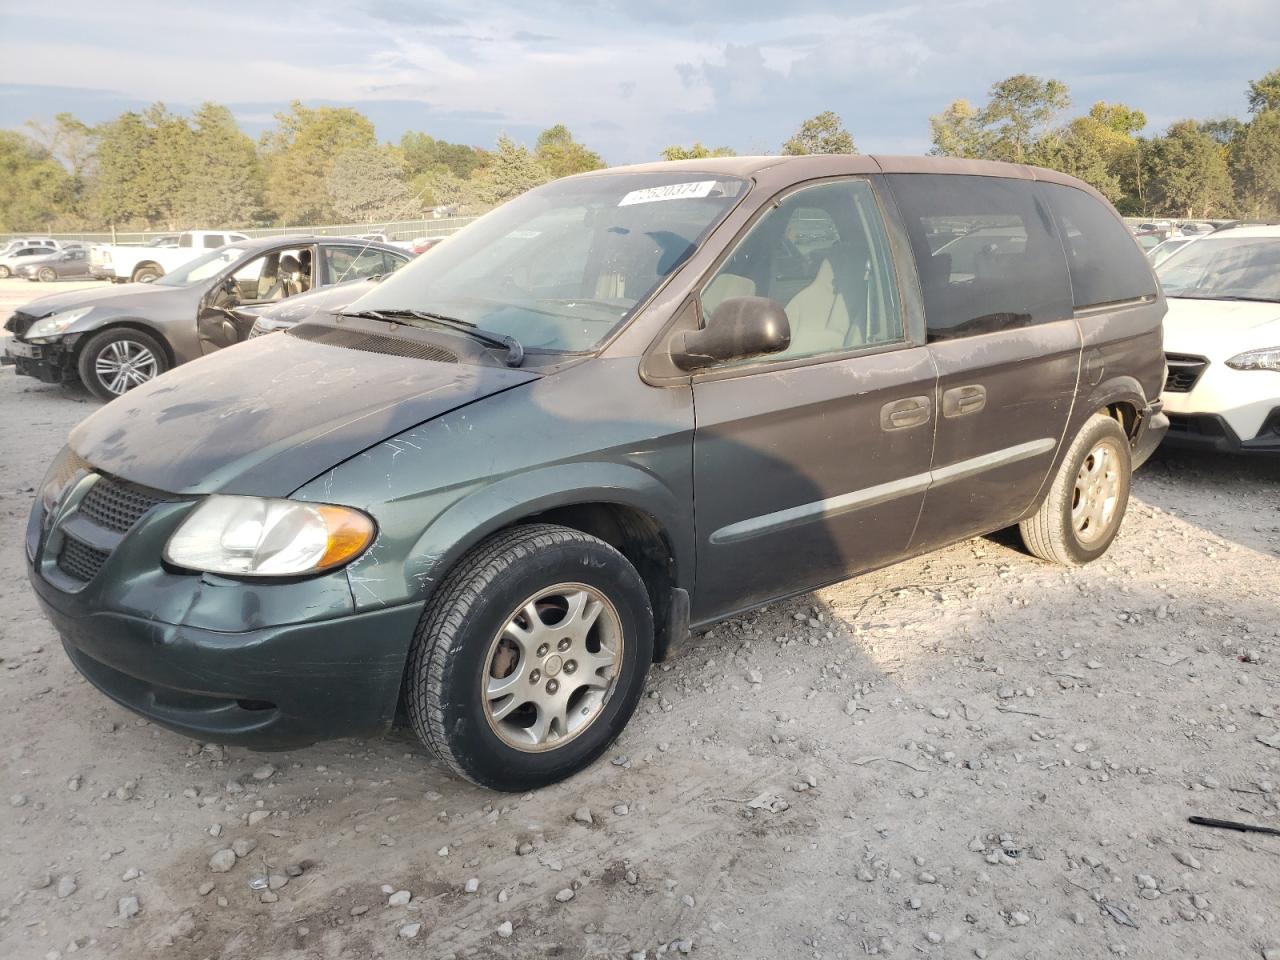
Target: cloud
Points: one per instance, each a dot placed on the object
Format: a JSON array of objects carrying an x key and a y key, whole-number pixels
[{"x": 637, "y": 76}]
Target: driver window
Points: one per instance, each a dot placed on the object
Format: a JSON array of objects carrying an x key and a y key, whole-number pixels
[
  {"x": 273, "y": 276},
  {"x": 823, "y": 254}
]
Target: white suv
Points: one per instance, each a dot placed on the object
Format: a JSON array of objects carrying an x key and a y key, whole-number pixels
[{"x": 1222, "y": 341}]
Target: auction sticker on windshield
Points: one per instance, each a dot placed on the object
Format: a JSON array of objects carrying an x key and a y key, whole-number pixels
[{"x": 672, "y": 191}]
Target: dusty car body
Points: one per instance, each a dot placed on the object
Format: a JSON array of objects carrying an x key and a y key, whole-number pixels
[
  {"x": 756, "y": 376},
  {"x": 112, "y": 340}
]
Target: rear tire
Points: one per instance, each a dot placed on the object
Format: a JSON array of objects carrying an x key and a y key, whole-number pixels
[
  {"x": 4, "y": 272},
  {"x": 147, "y": 273},
  {"x": 115, "y": 361},
  {"x": 1086, "y": 502},
  {"x": 514, "y": 705}
]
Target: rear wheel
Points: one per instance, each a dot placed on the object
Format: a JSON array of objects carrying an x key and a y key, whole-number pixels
[
  {"x": 147, "y": 273},
  {"x": 4, "y": 272},
  {"x": 47, "y": 274},
  {"x": 530, "y": 658},
  {"x": 113, "y": 362},
  {"x": 1082, "y": 512}
]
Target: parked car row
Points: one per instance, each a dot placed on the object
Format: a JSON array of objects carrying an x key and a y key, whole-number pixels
[
  {"x": 20, "y": 253},
  {"x": 114, "y": 340}
]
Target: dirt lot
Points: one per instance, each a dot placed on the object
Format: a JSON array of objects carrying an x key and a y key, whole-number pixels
[{"x": 970, "y": 754}]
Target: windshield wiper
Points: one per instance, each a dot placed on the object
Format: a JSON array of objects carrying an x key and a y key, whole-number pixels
[{"x": 515, "y": 350}]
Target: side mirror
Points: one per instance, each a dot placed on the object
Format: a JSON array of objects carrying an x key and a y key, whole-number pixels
[{"x": 740, "y": 327}]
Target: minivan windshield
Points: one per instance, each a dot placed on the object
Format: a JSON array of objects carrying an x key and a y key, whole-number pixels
[
  {"x": 560, "y": 267},
  {"x": 1224, "y": 268},
  {"x": 202, "y": 268}
]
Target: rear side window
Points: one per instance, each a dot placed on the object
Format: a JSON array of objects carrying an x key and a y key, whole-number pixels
[
  {"x": 1106, "y": 265},
  {"x": 987, "y": 252},
  {"x": 213, "y": 241}
]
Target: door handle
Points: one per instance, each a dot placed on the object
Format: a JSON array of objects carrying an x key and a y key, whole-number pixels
[
  {"x": 905, "y": 413},
  {"x": 959, "y": 401}
]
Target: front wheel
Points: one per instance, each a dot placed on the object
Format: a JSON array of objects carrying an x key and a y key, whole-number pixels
[
  {"x": 113, "y": 362},
  {"x": 1087, "y": 499},
  {"x": 47, "y": 274},
  {"x": 530, "y": 658},
  {"x": 4, "y": 272}
]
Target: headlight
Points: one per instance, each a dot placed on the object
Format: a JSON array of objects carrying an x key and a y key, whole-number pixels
[
  {"x": 256, "y": 537},
  {"x": 64, "y": 472},
  {"x": 1268, "y": 358},
  {"x": 54, "y": 324}
]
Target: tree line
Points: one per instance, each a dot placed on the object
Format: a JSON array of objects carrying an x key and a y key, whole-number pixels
[
  {"x": 154, "y": 169},
  {"x": 1196, "y": 168}
]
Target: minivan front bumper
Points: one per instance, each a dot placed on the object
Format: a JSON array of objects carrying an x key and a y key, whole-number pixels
[{"x": 271, "y": 688}]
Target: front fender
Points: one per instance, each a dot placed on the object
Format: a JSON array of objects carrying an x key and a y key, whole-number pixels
[
  {"x": 501, "y": 504},
  {"x": 594, "y": 434}
]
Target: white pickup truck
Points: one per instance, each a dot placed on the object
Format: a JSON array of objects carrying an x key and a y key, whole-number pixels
[{"x": 142, "y": 263}]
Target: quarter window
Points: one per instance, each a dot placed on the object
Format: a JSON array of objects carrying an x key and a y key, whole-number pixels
[
  {"x": 987, "y": 252},
  {"x": 823, "y": 254},
  {"x": 1106, "y": 265},
  {"x": 355, "y": 263}
]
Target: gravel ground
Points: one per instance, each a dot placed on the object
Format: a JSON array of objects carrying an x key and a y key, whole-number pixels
[{"x": 969, "y": 754}]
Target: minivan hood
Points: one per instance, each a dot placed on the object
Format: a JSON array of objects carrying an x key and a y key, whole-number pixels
[
  {"x": 264, "y": 417},
  {"x": 125, "y": 295}
]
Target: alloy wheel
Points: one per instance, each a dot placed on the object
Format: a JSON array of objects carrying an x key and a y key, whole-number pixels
[
  {"x": 1097, "y": 493},
  {"x": 552, "y": 667},
  {"x": 125, "y": 364}
]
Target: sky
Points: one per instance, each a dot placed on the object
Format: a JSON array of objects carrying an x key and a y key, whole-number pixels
[{"x": 628, "y": 77}]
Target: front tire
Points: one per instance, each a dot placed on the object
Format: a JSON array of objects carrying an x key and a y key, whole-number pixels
[
  {"x": 113, "y": 362},
  {"x": 4, "y": 272},
  {"x": 47, "y": 274},
  {"x": 1086, "y": 502},
  {"x": 530, "y": 657}
]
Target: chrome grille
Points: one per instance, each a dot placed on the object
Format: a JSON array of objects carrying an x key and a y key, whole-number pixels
[
  {"x": 79, "y": 560},
  {"x": 117, "y": 505},
  {"x": 1185, "y": 371}
]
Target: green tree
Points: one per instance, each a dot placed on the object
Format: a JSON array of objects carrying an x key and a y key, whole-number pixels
[
  {"x": 300, "y": 153},
  {"x": 820, "y": 134},
  {"x": 71, "y": 142},
  {"x": 1264, "y": 94},
  {"x": 120, "y": 193},
  {"x": 957, "y": 132},
  {"x": 366, "y": 184},
  {"x": 1188, "y": 173},
  {"x": 167, "y": 165},
  {"x": 440, "y": 187},
  {"x": 511, "y": 171},
  {"x": 423, "y": 154},
  {"x": 225, "y": 182},
  {"x": 1100, "y": 148},
  {"x": 696, "y": 152},
  {"x": 35, "y": 184},
  {"x": 1019, "y": 111},
  {"x": 1257, "y": 165},
  {"x": 562, "y": 156}
]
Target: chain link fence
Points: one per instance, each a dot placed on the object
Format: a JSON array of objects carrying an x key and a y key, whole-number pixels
[{"x": 399, "y": 230}]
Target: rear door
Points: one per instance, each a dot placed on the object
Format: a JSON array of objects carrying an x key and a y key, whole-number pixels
[
  {"x": 998, "y": 312},
  {"x": 811, "y": 464}
]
